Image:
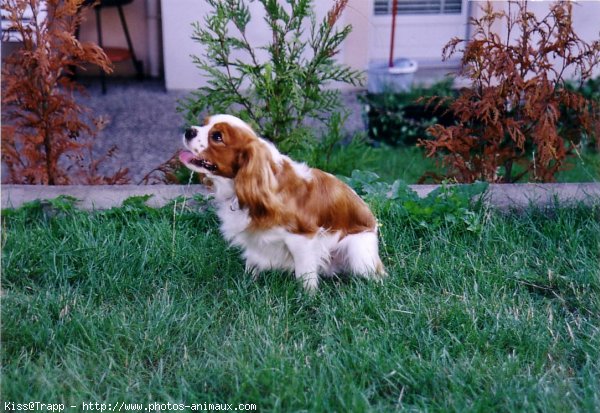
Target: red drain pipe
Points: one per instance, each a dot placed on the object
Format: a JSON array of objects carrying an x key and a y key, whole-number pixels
[{"x": 394, "y": 11}]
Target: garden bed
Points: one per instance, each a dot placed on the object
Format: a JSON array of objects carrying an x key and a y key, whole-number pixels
[{"x": 142, "y": 305}]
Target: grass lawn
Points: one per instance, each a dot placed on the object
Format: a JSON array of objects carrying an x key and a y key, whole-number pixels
[
  {"x": 148, "y": 306},
  {"x": 409, "y": 164}
]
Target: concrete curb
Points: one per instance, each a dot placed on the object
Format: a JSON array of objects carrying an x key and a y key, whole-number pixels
[
  {"x": 503, "y": 197},
  {"x": 519, "y": 196},
  {"x": 94, "y": 197}
]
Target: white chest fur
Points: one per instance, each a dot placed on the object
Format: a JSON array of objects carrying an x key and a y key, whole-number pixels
[{"x": 262, "y": 250}]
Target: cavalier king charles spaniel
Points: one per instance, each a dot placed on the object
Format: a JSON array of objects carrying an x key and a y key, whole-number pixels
[{"x": 281, "y": 213}]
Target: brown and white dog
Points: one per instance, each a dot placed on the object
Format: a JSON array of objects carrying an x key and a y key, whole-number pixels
[{"x": 281, "y": 213}]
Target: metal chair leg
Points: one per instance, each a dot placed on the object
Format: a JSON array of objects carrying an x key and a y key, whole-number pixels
[
  {"x": 136, "y": 63},
  {"x": 99, "y": 32}
]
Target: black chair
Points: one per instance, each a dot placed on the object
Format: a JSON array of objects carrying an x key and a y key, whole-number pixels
[{"x": 115, "y": 54}]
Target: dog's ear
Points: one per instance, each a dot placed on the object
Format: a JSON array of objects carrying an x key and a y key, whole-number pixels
[{"x": 256, "y": 184}]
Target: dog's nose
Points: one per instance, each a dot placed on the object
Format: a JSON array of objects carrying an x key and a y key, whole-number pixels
[{"x": 190, "y": 133}]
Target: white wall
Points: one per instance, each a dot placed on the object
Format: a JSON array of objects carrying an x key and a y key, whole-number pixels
[{"x": 178, "y": 46}]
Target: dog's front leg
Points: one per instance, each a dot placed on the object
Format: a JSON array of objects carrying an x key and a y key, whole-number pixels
[{"x": 306, "y": 260}]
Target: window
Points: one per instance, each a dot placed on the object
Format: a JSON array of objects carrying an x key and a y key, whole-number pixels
[{"x": 383, "y": 7}]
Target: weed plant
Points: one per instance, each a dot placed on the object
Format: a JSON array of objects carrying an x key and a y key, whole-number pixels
[{"x": 151, "y": 305}]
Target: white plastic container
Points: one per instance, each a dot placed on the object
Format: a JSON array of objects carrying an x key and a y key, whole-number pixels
[{"x": 398, "y": 78}]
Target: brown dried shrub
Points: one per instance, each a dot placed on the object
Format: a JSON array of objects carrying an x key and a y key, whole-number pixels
[
  {"x": 47, "y": 137},
  {"x": 512, "y": 112}
]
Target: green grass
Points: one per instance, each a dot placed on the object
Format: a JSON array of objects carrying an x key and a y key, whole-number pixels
[
  {"x": 406, "y": 163},
  {"x": 410, "y": 164},
  {"x": 584, "y": 167},
  {"x": 141, "y": 305}
]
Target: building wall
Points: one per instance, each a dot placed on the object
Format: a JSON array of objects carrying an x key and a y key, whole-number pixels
[
  {"x": 161, "y": 32},
  {"x": 417, "y": 37}
]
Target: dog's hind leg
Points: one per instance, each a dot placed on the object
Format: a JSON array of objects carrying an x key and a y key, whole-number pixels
[{"x": 361, "y": 253}]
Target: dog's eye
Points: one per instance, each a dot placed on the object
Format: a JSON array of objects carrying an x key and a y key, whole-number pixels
[{"x": 216, "y": 136}]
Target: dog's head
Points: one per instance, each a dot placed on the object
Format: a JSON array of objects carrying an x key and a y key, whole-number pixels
[
  {"x": 227, "y": 147},
  {"x": 220, "y": 147}
]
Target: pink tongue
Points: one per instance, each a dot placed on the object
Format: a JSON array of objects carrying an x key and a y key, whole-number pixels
[{"x": 186, "y": 156}]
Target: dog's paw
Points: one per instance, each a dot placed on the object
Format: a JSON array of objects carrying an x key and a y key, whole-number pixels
[
  {"x": 310, "y": 282},
  {"x": 252, "y": 271}
]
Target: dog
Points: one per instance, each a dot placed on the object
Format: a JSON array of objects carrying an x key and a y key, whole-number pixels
[{"x": 282, "y": 214}]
